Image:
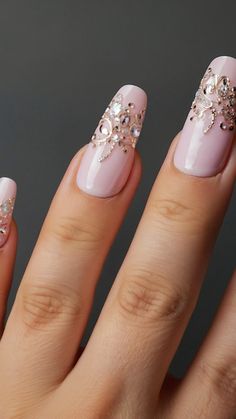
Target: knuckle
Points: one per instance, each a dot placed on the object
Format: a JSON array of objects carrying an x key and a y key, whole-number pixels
[
  {"x": 44, "y": 305},
  {"x": 173, "y": 211},
  {"x": 145, "y": 296},
  {"x": 222, "y": 380},
  {"x": 76, "y": 231}
]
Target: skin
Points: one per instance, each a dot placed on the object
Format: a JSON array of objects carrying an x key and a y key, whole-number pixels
[{"x": 122, "y": 373}]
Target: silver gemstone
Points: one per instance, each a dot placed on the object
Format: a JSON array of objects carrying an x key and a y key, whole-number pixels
[
  {"x": 124, "y": 119},
  {"x": 3, "y": 230},
  {"x": 6, "y": 207},
  {"x": 116, "y": 105},
  {"x": 115, "y": 137},
  {"x": 135, "y": 131},
  {"x": 223, "y": 90},
  {"x": 210, "y": 85},
  {"x": 203, "y": 100},
  {"x": 223, "y": 126},
  {"x": 103, "y": 129}
]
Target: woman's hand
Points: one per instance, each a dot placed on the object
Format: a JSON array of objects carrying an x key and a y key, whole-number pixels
[{"x": 122, "y": 373}]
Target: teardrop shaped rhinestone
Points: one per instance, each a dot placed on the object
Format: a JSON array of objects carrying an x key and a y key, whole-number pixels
[
  {"x": 3, "y": 231},
  {"x": 124, "y": 120}
]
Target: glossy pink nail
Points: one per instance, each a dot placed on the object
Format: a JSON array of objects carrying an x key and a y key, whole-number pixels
[
  {"x": 109, "y": 157},
  {"x": 7, "y": 200},
  {"x": 206, "y": 139}
]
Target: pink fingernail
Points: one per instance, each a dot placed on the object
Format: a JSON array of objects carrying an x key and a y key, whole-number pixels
[
  {"x": 108, "y": 160},
  {"x": 7, "y": 200},
  {"x": 206, "y": 139}
]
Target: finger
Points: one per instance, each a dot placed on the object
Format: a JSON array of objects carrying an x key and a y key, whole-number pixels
[
  {"x": 157, "y": 287},
  {"x": 8, "y": 239},
  {"x": 54, "y": 300},
  {"x": 209, "y": 388}
]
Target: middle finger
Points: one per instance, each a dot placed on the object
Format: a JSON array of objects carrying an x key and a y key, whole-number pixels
[{"x": 156, "y": 289}]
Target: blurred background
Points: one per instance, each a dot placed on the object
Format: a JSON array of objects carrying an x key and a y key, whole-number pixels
[{"x": 61, "y": 62}]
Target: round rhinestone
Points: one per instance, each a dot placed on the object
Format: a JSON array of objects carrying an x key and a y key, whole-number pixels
[
  {"x": 223, "y": 126},
  {"x": 6, "y": 208},
  {"x": 115, "y": 137},
  {"x": 135, "y": 131}
]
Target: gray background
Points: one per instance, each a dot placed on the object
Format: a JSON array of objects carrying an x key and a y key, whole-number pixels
[{"x": 61, "y": 61}]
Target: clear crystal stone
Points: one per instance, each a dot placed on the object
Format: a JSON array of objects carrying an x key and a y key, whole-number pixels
[
  {"x": 115, "y": 137},
  {"x": 3, "y": 230},
  {"x": 6, "y": 208},
  {"x": 223, "y": 90},
  {"x": 135, "y": 131},
  {"x": 115, "y": 108},
  {"x": 124, "y": 120},
  {"x": 210, "y": 85},
  {"x": 203, "y": 100}
]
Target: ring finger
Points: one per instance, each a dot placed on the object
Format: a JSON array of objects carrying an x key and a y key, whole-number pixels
[{"x": 8, "y": 239}]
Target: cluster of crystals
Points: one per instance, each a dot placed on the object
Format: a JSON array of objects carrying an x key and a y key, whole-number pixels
[
  {"x": 119, "y": 126},
  {"x": 6, "y": 210},
  {"x": 215, "y": 97}
]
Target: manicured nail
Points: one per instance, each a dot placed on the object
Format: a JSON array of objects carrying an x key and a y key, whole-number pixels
[
  {"x": 206, "y": 139},
  {"x": 109, "y": 157},
  {"x": 7, "y": 200}
]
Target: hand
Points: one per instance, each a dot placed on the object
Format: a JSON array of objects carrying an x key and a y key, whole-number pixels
[{"x": 122, "y": 373}]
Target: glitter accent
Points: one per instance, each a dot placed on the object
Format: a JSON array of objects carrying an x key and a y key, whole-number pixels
[
  {"x": 119, "y": 126},
  {"x": 6, "y": 210},
  {"x": 214, "y": 98}
]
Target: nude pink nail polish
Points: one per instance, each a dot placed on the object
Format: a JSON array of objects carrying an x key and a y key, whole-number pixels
[
  {"x": 7, "y": 200},
  {"x": 207, "y": 135},
  {"x": 109, "y": 157}
]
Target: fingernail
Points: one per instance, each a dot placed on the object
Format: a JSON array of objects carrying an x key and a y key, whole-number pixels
[
  {"x": 206, "y": 139},
  {"x": 109, "y": 157},
  {"x": 7, "y": 200}
]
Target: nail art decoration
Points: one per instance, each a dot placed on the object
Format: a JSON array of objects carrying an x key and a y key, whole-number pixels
[
  {"x": 215, "y": 97},
  {"x": 6, "y": 210},
  {"x": 7, "y": 201},
  {"x": 120, "y": 126}
]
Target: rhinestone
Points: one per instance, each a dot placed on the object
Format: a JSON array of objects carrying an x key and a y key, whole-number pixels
[
  {"x": 116, "y": 106},
  {"x": 223, "y": 126},
  {"x": 115, "y": 137},
  {"x": 223, "y": 90},
  {"x": 6, "y": 207},
  {"x": 210, "y": 85},
  {"x": 135, "y": 131},
  {"x": 203, "y": 100},
  {"x": 104, "y": 130},
  {"x": 124, "y": 119},
  {"x": 3, "y": 230}
]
